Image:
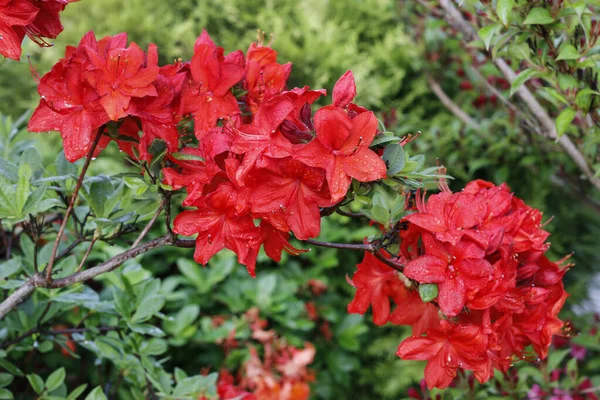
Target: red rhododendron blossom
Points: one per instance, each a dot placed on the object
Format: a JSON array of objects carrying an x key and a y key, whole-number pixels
[
  {"x": 265, "y": 77},
  {"x": 447, "y": 348},
  {"x": 289, "y": 194},
  {"x": 219, "y": 226},
  {"x": 375, "y": 283},
  {"x": 37, "y": 19},
  {"x": 484, "y": 249},
  {"x": 206, "y": 92},
  {"x": 341, "y": 147}
]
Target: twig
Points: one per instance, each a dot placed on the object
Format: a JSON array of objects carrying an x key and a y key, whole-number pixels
[
  {"x": 450, "y": 105},
  {"x": 455, "y": 18},
  {"x": 87, "y": 254},
  {"x": 388, "y": 262},
  {"x": 361, "y": 247},
  {"x": 39, "y": 280},
  {"x": 56, "y": 332},
  {"x": 148, "y": 226},
  {"x": 349, "y": 214},
  {"x": 61, "y": 231}
]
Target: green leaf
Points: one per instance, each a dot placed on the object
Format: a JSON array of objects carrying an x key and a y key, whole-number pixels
[
  {"x": 428, "y": 291},
  {"x": 383, "y": 138},
  {"x": 96, "y": 394},
  {"x": 564, "y": 120},
  {"x": 196, "y": 385},
  {"x": 555, "y": 358},
  {"x": 503, "y": 9},
  {"x": 101, "y": 192},
  {"x": 6, "y": 379},
  {"x": 487, "y": 34},
  {"x": 10, "y": 367},
  {"x": 394, "y": 158},
  {"x": 55, "y": 379},
  {"x": 77, "y": 392},
  {"x": 538, "y": 16},
  {"x": 153, "y": 347},
  {"x": 6, "y": 394},
  {"x": 187, "y": 157},
  {"x": 584, "y": 98},
  {"x": 9, "y": 267},
  {"x": 148, "y": 308},
  {"x": 568, "y": 52},
  {"x": 37, "y": 383},
  {"x": 523, "y": 77}
]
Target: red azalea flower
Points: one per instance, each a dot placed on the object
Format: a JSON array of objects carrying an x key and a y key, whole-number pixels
[
  {"x": 265, "y": 77},
  {"x": 15, "y": 15},
  {"x": 219, "y": 226},
  {"x": 262, "y": 137},
  {"x": 456, "y": 270},
  {"x": 375, "y": 283},
  {"x": 206, "y": 95},
  {"x": 446, "y": 349},
  {"x": 69, "y": 104},
  {"x": 119, "y": 73},
  {"x": 341, "y": 148},
  {"x": 289, "y": 194}
]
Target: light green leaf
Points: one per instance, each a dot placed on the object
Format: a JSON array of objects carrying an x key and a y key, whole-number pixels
[
  {"x": 428, "y": 291},
  {"x": 55, "y": 379},
  {"x": 148, "y": 308},
  {"x": 37, "y": 383},
  {"x": 523, "y": 77},
  {"x": 487, "y": 34},
  {"x": 538, "y": 16},
  {"x": 503, "y": 9},
  {"x": 6, "y": 394},
  {"x": 77, "y": 392},
  {"x": 568, "y": 52},
  {"x": 96, "y": 394},
  {"x": 564, "y": 120},
  {"x": 187, "y": 157}
]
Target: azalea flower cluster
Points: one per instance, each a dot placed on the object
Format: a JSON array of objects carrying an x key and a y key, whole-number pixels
[
  {"x": 281, "y": 373},
  {"x": 38, "y": 19},
  {"x": 483, "y": 249},
  {"x": 258, "y": 156}
]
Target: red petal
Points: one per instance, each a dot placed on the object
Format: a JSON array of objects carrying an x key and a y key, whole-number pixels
[
  {"x": 364, "y": 166},
  {"x": 426, "y": 269},
  {"x": 452, "y": 296},
  {"x": 344, "y": 90}
]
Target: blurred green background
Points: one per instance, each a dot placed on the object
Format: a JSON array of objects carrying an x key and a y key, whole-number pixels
[{"x": 389, "y": 47}]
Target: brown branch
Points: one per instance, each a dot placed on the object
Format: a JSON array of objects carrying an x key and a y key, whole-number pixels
[
  {"x": 147, "y": 227},
  {"x": 455, "y": 18},
  {"x": 345, "y": 246},
  {"x": 86, "y": 255},
  {"x": 39, "y": 280},
  {"x": 350, "y": 214},
  {"x": 450, "y": 105},
  {"x": 67, "y": 331},
  {"x": 61, "y": 231}
]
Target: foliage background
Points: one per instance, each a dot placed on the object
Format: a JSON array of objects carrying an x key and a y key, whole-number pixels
[{"x": 376, "y": 39}]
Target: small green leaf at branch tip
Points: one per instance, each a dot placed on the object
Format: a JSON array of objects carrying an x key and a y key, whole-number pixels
[
  {"x": 568, "y": 52},
  {"x": 564, "y": 120},
  {"x": 428, "y": 291},
  {"x": 487, "y": 34},
  {"x": 539, "y": 16},
  {"x": 503, "y": 9},
  {"x": 522, "y": 78},
  {"x": 187, "y": 157}
]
